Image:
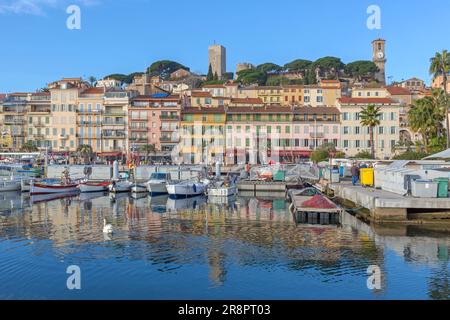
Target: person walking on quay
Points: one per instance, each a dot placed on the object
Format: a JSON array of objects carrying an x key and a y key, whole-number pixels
[{"x": 355, "y": 173}]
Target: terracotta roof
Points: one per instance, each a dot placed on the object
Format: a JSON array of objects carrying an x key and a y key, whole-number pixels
[
  {"x": 40, "y": 94},
  {"x": 246, "y": 101},
  {"x": 200, "y": 94},
  {"x": 221, "y": 86},
  {"x": 93, "y": 91},
  {"x": 398, "y": 91},
  {"x": 366, "y": 100},
  {"x": 203, "y": 110}
]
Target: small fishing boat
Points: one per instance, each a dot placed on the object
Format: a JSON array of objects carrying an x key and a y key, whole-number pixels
[
  {"x": 45, "y": 188},
  {"x": 66, "y": 185},
  {"x": 188, "y": 188},
  {"x": 120, "y": 186},
  {"x": 222, "y": 189},
  {"x": 139, "y": 188},
  {"x": 157, "y": 185},
  {"x": 94, "y": 186}
]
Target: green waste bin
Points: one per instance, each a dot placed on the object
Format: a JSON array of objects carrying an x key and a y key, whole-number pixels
[
  {"x": 279, "y": 175},
  {"x": 442, "y": 187}
]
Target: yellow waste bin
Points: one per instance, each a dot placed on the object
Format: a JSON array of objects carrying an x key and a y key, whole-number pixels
[{"x": 367, "y": 176}]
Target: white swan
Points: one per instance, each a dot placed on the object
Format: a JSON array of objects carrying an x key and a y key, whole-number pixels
[{"x": 107, "y": 228}]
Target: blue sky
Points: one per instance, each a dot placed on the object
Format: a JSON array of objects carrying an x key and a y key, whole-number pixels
[{"x": 126, "y": 36}]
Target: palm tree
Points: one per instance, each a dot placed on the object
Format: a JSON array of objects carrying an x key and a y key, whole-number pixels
[
  {"x": 370, "y": 117},
  {"x": 426, "y": 117},
  {"x": 85, "y": 151},
  {"x": 440, "y": 66},
  {"x": 148, "y": 149},
  {"x": 92, "y": 80}
]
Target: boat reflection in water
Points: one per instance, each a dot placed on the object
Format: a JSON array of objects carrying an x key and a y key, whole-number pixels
[
  {"x": 201, "y": 248},
  {"x": 52, "y": 196}
]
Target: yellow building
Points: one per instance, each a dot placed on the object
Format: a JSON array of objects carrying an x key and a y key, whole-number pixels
[
  {"x": 202, "y": 135},
  {"x": 270, "y": 94},
  {"x": 64, "y": 102},
  {"x": 89, "y": 118}
]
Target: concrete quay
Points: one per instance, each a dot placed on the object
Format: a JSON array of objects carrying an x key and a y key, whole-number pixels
[{"x": 388, "y": 206}]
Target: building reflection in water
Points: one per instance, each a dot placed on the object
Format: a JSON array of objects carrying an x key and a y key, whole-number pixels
[{"x": 247, "y": 231}]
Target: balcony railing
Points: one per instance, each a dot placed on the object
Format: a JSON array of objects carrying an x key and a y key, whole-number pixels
[
  {"x": 169, "y": 117},
  {"x": 113, "y": 123},
  {"x": 169, "y": 139},
  {"x": 14, "y": 121},
  {"x": 38, "y": 124},
  {"x": 89, "y": 123},
  {"x": 114, "y": 114},
  {"x": 316, "y": 135}
]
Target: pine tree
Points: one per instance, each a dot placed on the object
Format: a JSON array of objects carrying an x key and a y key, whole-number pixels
[
  {"x": 216, "y": 76},
  {"x": 210, "y": 75}
]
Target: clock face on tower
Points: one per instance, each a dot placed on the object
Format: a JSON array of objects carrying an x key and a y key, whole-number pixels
[{"x": 380, "y": 55}]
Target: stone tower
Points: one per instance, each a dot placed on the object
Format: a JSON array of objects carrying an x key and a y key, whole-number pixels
[
  {"x": 217, "y": 59},
  {"x": 379, "y": 58}
]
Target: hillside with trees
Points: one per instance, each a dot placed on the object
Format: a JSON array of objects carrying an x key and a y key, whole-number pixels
[{"x": 302, "y": 71}]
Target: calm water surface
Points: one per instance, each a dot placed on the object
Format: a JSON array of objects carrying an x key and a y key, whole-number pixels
[{"x": 195, "y": 249}]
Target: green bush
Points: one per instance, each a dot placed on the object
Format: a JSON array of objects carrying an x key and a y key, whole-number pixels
[{"x": 363, "y": 155}]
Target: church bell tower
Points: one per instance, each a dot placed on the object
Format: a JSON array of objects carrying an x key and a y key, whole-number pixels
[{"x": 379, "y": 58}]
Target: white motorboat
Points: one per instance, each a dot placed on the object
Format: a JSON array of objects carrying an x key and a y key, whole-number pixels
[
  {"x": 25, "y": 185},
  {"x": 157, "y": 185},
  {"x": 94, "y": 186},
  {"x": 139, "y": 188},
  {"x": 10, "y": 185},
  {"x": 189, "y": 188},
  {"x": 120, "y": 186},
  {"x": 222, "y": 189}
]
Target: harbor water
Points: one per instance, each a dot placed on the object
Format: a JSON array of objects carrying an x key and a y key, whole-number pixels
[{"x": 199, "y": 248}]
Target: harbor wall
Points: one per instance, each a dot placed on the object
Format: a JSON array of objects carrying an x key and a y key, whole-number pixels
[{"x": 99, "y": 172}]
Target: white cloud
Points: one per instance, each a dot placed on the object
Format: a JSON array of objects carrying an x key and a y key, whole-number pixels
[{"x": 37, "y": 7}]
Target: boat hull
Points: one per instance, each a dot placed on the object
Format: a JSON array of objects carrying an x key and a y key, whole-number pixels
[
  {"x": 10, "y": 186},
  {"x": 137, "y": 188},
  {"x": 37, "y": 189},
  {"x": 120, "y": 187},
  {"x": 185, "y": 190},
  {"x": 93, "y": 187},
  {"x": 222, "y": 192},
  {"x": 158, "y": 188}
]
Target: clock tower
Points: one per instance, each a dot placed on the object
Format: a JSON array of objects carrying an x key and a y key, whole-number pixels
[{"x": 379, "y": 58}]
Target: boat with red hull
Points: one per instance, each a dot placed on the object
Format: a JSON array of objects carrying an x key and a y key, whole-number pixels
[
  {"x": 94, "y": 186},
  {"x": 45, "y": 188}
]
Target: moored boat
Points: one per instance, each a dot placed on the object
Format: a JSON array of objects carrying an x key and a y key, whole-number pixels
[
  {"x": 139, "y": 188},
  {"x": 157, "y": 185},
  {"x": 94, "y": 186},
  {"x": 45, "y": 188},
  {"x": 120, "y": 186},
  {"x": 9, "y": 185},
  {"x": 189, "y": 188}
]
